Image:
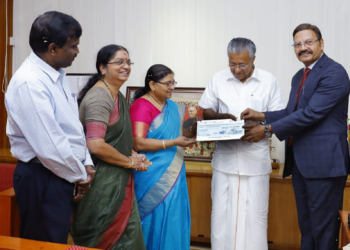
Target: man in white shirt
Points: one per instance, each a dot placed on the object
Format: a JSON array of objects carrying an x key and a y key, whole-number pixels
[
  {"x": 45, "y": 133},
  {"x": 240, "y": 183}
]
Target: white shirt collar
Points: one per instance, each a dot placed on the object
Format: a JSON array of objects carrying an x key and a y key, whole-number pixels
[
  {"x": 312, "y": 65},
  {"x": 51, "y": 72}
]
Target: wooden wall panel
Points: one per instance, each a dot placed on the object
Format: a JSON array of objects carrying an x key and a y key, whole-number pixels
[
  {"x": 200, "y": 200},
  {"x": 283, "y": 227},
  {"x": 3, "y": 115}
]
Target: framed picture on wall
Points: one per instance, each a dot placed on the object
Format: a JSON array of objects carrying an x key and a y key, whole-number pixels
[
  {"x": 77, "y": 82},
  {"x": 189, "y": 97}
]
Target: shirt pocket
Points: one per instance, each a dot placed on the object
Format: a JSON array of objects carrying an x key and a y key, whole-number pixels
[{"x": 257, "y": 103}]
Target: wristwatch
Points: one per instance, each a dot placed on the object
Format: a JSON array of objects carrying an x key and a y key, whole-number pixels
[{"x": 268, "y": 133}]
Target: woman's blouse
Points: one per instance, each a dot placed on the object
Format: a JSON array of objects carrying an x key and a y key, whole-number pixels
[
  {"x": 142, "y": 113},
  {"x": 97, "y": 111}
]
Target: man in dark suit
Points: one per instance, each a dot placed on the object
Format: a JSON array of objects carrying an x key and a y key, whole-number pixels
[
  {"x": 315, "y": 129},
  {"x": 192, "y": 112}
]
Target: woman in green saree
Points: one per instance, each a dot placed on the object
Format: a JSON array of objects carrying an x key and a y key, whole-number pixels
[{"x": 107, "y": 217}]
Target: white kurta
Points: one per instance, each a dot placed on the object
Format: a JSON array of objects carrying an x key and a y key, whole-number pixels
[{"x": 240, "y": 184}]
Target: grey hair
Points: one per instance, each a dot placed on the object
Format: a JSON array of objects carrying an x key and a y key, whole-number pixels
[{"x": 239, "y": 45}]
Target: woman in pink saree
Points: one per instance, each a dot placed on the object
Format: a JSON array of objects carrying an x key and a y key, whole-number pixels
[{"x": 161, "y": 192}]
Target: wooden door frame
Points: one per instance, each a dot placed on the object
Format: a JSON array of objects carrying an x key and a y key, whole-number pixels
[{"x": 4, "y": 143}]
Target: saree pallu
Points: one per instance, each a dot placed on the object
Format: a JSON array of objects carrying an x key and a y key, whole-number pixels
[
  {"x": 161, "y": 192},
  {"x": 107, "y": 217}
]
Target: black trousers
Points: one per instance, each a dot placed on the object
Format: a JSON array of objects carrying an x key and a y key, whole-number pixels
[
  {"x": 318, "y": 202},
  {"x": 44, "y": 202}
]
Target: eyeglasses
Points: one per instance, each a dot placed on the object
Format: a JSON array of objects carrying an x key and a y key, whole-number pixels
[
  {"x": 306, "y": 43},
  {"x": 169, "y": 85},
  {"x": 234, "y": 66},
  {"x": 122, "y": 62}
]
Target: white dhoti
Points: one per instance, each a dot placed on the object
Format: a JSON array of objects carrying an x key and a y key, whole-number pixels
[{"x": 239, "y": 211}]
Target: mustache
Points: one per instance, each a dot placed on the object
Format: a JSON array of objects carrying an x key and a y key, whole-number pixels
[{"x": 305, "y": 51}]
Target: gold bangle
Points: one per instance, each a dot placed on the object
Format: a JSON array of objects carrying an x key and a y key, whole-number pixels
[
  {"x": 164, "y": 145},
  {"x": 132, "y": 161}
]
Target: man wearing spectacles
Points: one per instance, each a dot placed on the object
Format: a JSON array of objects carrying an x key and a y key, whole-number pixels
[
  {"x": 192, "y": 112},
  {"x": 315, "y": 129},
  {"x": 240, "y": 183}
]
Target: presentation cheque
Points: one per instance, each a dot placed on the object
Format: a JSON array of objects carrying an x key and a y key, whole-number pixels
[{"x": 216, "y": 130}]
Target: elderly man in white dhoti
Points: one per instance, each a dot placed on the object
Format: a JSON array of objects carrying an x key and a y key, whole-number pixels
[{"x": 240, "y": 184}]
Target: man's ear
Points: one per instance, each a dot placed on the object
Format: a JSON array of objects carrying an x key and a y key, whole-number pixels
[{"x": 52, "y": 49}]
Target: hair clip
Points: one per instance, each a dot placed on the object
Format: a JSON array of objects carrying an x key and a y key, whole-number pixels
[{"x": 45, "y": 38}]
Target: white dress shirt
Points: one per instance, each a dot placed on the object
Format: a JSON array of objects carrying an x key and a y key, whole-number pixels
[
  {"x": 43, "y": 120},
  {"x": 226, "y": 94}
]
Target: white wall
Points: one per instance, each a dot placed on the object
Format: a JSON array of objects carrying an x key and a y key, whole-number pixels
[{"x": 190, "y": 36}]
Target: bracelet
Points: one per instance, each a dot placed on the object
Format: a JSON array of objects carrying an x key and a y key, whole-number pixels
[
  {"x": 132, "y": 161},
  {"x": 164, "y": 145}
]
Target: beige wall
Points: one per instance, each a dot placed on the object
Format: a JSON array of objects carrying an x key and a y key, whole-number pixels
[{"x": 190, "y": 36}]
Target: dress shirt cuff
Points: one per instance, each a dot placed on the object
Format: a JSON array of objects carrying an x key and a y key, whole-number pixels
[{"x": 88, "y": 160}]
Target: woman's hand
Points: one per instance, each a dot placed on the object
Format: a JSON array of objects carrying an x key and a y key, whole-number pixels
[
  {"x": 183, "y": 141},
  {"x": 140, "y": 162}
]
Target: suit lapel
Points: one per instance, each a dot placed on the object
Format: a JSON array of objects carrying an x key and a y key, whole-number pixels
[{"x": 310, "y": 81}]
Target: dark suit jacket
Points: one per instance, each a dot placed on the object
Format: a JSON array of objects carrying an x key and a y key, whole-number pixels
[{"x": 319, "y": 123}]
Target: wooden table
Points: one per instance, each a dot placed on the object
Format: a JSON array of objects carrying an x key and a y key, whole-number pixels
[
  {"x": 9, "y": 243},
  {"x": 345, "y": 235}
]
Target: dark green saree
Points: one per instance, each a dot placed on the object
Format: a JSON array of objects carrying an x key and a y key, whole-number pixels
[{"x": 107, "y": 217}]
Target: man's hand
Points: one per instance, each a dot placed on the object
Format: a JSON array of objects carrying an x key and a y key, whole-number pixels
[
  {"x": 194, "y": 123},
  {"x": 249, "y": 127},
  {"x": 79, "y": 194},
  {"x": 209, "y": 114},
  {"x": 255, "y": 132},
  {"x": 84, "y": 186},
  {"x": 252, "y": 115},
  {"x": 228, "y": 116}
]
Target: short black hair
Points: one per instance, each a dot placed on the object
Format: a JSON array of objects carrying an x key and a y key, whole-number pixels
[
  {"x": 53, "y": 27},
  {"x": 308, "y": 26}
]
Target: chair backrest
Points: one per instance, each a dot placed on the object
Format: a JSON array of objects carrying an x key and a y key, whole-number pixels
[{"x": 6, "y": 175}]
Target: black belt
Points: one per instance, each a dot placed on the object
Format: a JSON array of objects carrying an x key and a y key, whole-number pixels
[{"x": 35, "y": 160}]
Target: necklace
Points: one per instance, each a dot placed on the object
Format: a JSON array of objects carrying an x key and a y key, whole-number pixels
[
  {"x": 156, "y": 101},
  {"x": 108, "y": 89}
]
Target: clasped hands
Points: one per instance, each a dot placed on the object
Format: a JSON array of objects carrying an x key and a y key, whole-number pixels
[
  {"x": 254, "y": 132},
  {"x": 83, "y": 186},
  {"x": 140, "y": 162}
]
